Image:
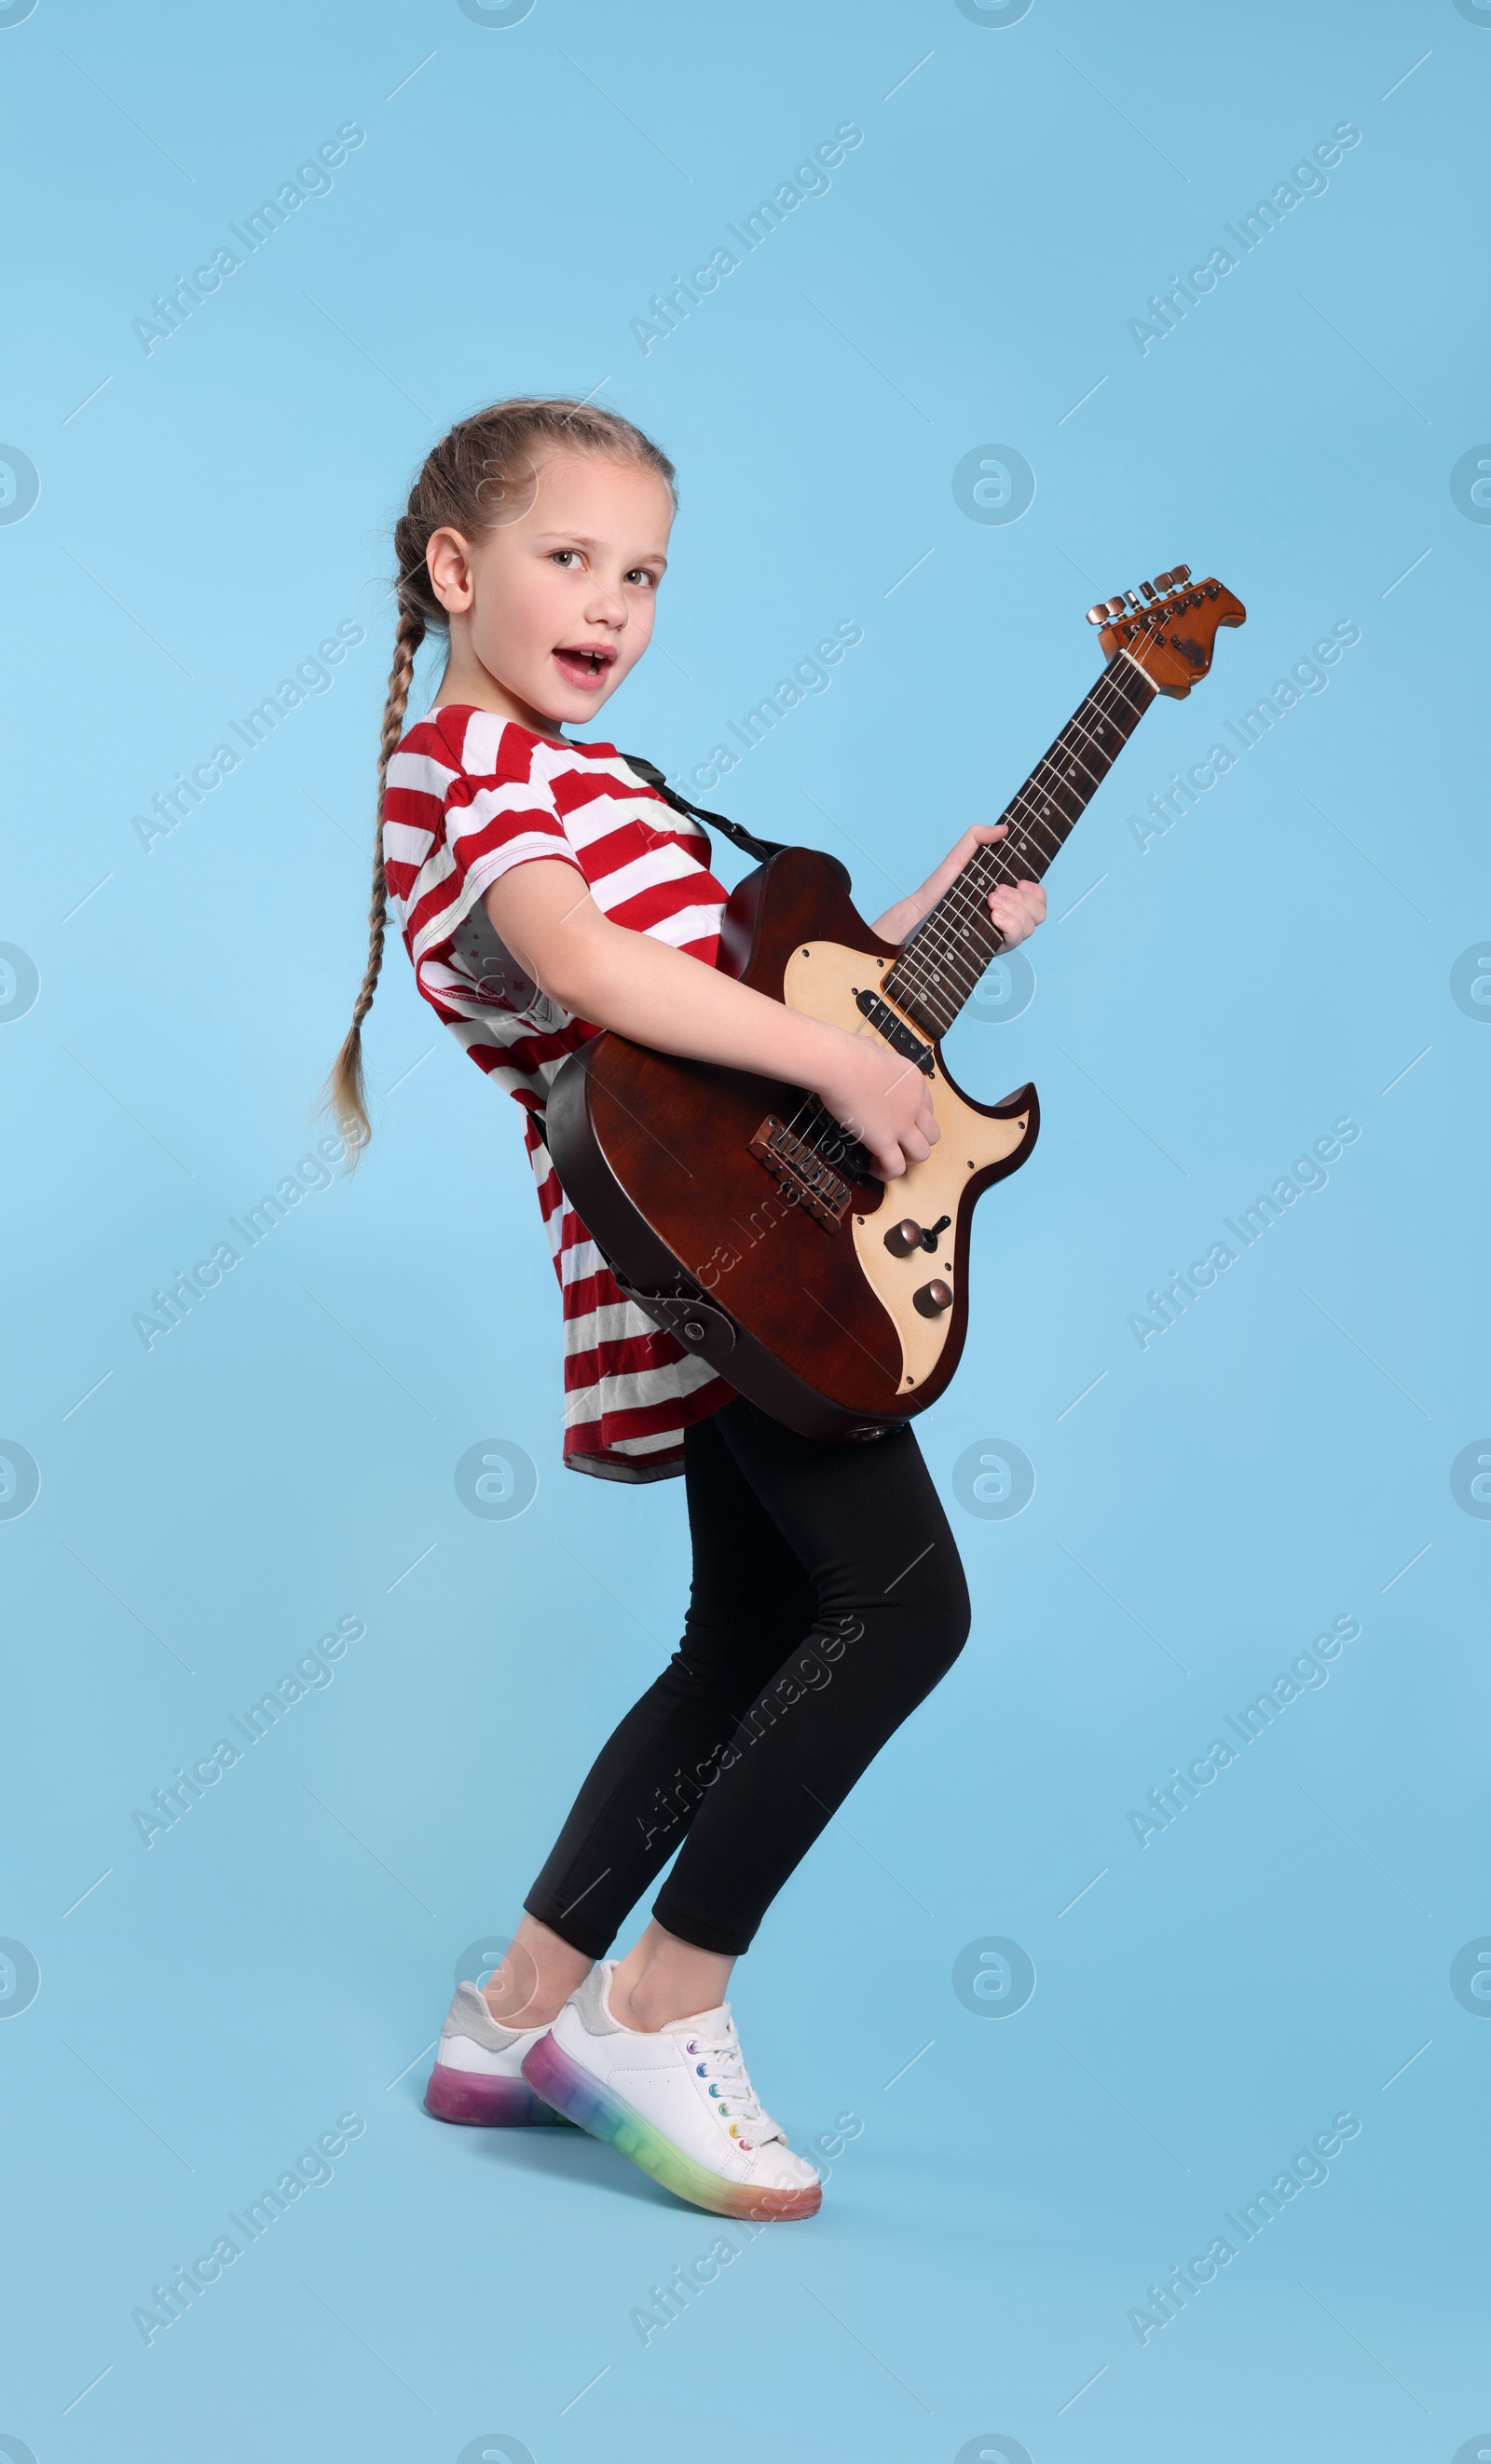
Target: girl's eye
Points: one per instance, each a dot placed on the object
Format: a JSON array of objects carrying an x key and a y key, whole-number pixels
[
  {"x": 643, "y": 573},
  {"x": 562, "y": 553}
]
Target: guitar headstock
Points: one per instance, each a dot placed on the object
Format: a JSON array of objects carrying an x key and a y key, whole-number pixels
[{"x": 1171, "y": 631}]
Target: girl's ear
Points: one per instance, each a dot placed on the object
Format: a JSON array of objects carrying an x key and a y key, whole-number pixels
[{"x": 448, "y": 558}]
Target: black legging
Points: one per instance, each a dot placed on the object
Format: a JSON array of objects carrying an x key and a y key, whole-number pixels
[{"x": 828, "y": 1598}]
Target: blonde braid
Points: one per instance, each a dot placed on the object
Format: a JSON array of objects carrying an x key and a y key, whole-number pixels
[
  {"x": 483, "y": 472},
  {"x": 345, "y": 1090}
]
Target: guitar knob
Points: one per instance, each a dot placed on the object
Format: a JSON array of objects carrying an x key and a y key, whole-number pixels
[
  {"x": 1115, "y": 607},
  {"x": 903, "y": 1239},
  {"x": 1182, "y": 573},
  {"x": 1149, "y": 589},
  {"x": 934, "y": 1298}
]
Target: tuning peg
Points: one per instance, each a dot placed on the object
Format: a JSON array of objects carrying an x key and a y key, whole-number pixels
[
  {"x": 1099, "y": 615},
  {"x": 1149, "y": 589},
  {"x": 1164, "y": 581},
  {"x": 1181, "y": 575},
  {"x": 1133, "y": 601},
  {"x": 1116, "y": 607}
]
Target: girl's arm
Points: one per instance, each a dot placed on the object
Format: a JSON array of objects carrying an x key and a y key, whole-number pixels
[{"x": 660, "y": 997}]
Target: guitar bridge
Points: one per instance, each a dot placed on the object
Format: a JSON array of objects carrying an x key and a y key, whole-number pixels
[{"x": 802, "y": 1171}]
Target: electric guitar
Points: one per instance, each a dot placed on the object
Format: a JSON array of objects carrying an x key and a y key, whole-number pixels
[{"x": 734, "y": 1210}]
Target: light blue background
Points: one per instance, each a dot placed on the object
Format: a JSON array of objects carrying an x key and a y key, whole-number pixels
[{"x": 1279, "y": 960}]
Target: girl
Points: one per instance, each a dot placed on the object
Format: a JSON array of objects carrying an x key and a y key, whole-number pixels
[{"x": 546, "y": 890}]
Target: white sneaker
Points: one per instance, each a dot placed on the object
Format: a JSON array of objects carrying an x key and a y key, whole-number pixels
[
  {"x": 678, "y": 2101},
  {"x": 478, "y": 2075}
]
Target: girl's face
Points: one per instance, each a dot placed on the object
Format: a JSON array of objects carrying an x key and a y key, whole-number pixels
[{"x": 552, "y": 608}]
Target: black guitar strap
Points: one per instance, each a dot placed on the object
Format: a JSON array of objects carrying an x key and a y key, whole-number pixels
[{"x": 736, "y": 831}]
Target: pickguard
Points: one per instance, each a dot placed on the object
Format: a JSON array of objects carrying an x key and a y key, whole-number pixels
[{"x": 821, "y": 979}]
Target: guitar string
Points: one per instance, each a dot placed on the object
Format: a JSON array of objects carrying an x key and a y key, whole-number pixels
[
  {"x": 1009, "y": 848},
  {"x": 966, "y": 898},
  {"x": 974, "y": 902},
  {"x": 920, "y": 968},
  {"x": 1002, "y": 860},
  {"x": 918, "y": 971},
  {"x": 1008, "y": 852}
]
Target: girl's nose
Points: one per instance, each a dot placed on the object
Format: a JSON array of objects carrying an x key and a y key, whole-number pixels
[{"x": 605, "y": 607}]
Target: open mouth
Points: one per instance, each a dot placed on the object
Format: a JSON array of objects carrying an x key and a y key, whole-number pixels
[{"x": 586, "y": 663}]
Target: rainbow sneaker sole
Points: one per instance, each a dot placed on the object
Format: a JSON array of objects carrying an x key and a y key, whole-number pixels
[
  {"x": 492, "y": 2103},
  {"x": 573, "y": 2092}
]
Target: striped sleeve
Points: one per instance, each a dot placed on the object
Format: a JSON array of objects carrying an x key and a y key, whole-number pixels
[{"x": 461, "y": 807}]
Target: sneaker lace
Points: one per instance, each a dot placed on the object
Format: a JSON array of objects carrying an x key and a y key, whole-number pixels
[{"x": 718, "y": 2061}]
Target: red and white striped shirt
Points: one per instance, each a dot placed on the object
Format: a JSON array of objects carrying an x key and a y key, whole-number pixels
[{"x": 469, "y": 795}]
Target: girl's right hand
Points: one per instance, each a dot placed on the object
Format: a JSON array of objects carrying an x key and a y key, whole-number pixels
[{"x": 882, "y": 1099}]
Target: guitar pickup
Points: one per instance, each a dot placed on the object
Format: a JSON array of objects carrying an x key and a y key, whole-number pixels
[
  {"x": 802, "y": 1171},
  {"x": 884, "y": 1021}
]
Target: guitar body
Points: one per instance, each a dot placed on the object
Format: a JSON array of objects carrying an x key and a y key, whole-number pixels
[
  {"x": 732, "y": 1209},
  {"x": 802, "y": 1307}
]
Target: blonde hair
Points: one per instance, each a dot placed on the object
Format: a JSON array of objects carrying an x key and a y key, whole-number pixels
[{"x": 481, "y": 475}]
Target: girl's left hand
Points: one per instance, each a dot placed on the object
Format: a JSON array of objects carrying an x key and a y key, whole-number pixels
[{"x": 1016, "y": 908}]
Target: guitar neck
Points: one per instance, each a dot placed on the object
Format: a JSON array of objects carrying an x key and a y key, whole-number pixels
[{"x": 941, "y": 961}]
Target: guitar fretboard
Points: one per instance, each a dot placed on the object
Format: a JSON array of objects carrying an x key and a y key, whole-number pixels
[{"x": 944, "y": 958}]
